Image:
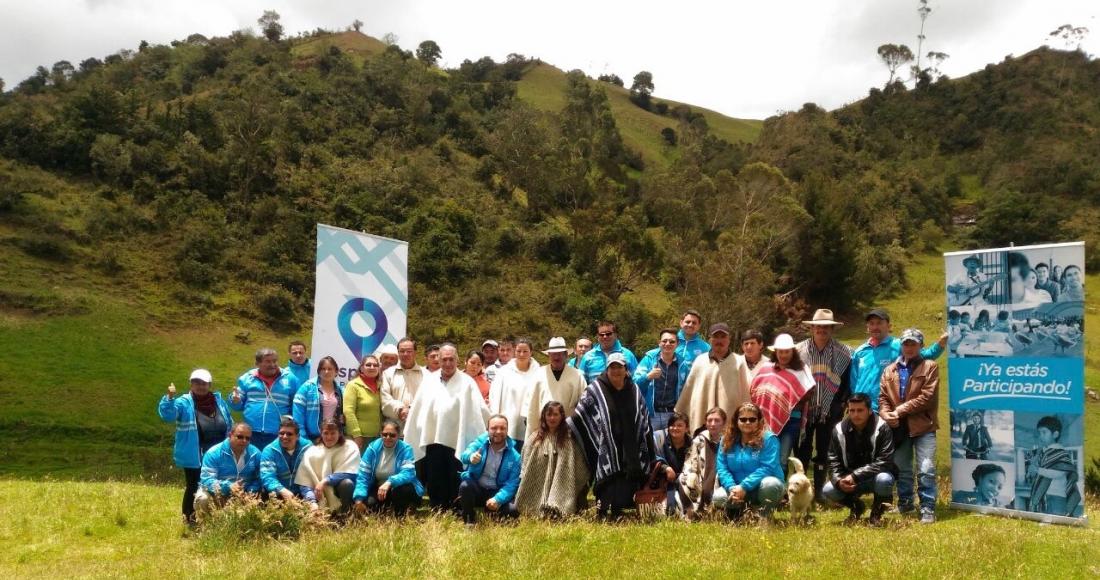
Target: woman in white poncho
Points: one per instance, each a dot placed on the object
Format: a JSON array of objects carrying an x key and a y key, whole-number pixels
[
  {"x": 326, "y": 476},
  {"x": 446, "y": 415},
  {"x": 510, "y": 393}
]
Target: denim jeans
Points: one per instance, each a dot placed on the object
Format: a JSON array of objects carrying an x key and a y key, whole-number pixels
[
  {"x": 881, "y": 486},
  {"x": 923, "y": 447},
  {"x": 788, "y": 440},
  {"x": 766, "y": 496}
]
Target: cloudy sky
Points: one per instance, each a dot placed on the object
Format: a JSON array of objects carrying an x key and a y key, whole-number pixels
[{"x": 744, "y": 59}]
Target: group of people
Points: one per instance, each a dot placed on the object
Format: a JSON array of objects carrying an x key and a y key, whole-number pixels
[
  {"x": 691, "y": 428},
  {"x": 1023, "y": 283}
]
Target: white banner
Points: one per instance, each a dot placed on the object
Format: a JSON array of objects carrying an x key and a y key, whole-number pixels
[{"x": 362, "y": 296}]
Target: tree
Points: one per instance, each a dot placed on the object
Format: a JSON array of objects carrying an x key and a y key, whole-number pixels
[
  {"x": 428, "y": 52},
  {"x": 894, "y": 56},
  {"x": 924, "y": 10},
  {"x": 1071, "y": 36},
  {"x": 389, "y": 39},
  {"x": 269, "y": 24},
  {"x": 611, "y": 78},
  {"x": 669, "y": 135},
  {"x": 62, "y": 71},
  {"x": 641, "y": 90},
  {"x": 357, "y": 24}
]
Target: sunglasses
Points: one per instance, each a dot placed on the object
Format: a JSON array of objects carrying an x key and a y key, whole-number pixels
[
  {"x": 604, "y": 334},
  {"x": 747, "y": 419},
  {"x": 285, "y": 434},
  {"x": 388, "y": 435},
  {"x": 242, "y": 437}
]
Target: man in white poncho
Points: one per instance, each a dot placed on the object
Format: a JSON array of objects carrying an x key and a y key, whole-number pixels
[
  {"x": 559, "y": 382},
  {"x": 446, "y": 415}
]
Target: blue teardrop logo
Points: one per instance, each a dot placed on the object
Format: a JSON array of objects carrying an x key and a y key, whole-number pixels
[{"x": 361, "y": 346}]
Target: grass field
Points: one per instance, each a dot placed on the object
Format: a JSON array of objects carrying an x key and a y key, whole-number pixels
[{"x": 87, "y": 487}]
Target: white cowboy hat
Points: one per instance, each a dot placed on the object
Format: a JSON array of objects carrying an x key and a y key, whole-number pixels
[
  {"x": 823, "y": 317},
  {"x": 557, "y": 344},
  {"x": 782, "y": 342}
]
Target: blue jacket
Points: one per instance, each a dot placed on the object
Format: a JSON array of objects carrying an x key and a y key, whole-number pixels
[
  {"x": 507, "y": 475},
  {"x": 260, "y": 411},
  {"x": 277, "y": 469},
  {"x": 307, "y": 408},
  {"x": 300, "y": 371},
  {"x": 404, "y": 469},
  {"x": 868, "y": 362},
  {"x": 645, "y": 385},
  {"x": 219, "y": 469},
  {"x": 182, "y": 410},
  {"x": 595, "y": 361},
  {"x": 687, "y": 351},
  {"x": 746, "y": 466}
]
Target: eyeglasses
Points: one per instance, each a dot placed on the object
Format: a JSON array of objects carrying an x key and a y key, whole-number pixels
[
  {"x": 242, "y": 437},
  {"x": 285, "y": 434},
  {"x": 388, "y": 435},
  {"x": 604, "y": 334},
  {"x": 746, "y": 419}
]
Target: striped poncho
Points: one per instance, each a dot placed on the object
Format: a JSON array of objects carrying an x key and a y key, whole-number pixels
[
  {"x": 777, "y": 392},
  {"x": 830, "y": 368},
  {"x": 591, "y": 425}
]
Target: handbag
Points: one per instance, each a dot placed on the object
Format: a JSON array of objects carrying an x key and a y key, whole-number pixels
[{"x": 654, "y": 489}]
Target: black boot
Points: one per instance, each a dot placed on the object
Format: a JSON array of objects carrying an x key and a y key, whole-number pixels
[
  {"x": 856, "y": 509},
  {"x": 877, "y": 509},
  {"x": 821, "y": 475}
]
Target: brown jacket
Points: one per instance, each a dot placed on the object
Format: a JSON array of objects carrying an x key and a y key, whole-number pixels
[{"x": 921, "y": 405}]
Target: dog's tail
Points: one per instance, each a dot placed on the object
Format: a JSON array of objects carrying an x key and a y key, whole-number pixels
[{"x": 795, "y": 465}]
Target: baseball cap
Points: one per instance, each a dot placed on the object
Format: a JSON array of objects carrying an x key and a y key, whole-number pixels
[
  {"x": 877, "y": 312},
  {"x": 202, "y": 375},
  {"x": 616, "y": 358},
  {"x": 912, "y": 334},
  {"x": 719, "y": 327}
]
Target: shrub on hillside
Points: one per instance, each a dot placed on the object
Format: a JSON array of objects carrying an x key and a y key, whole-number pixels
[
  {"x": 247, "y": 519},
  {"x": 45, "y": 247}
]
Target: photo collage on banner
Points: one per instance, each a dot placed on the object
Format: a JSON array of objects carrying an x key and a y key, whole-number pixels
[
  {"x": 361, "y": 298},
  {"x": 1016, "y": 324}
]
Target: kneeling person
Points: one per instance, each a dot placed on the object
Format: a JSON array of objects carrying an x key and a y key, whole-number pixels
[
  {"x": 748, "y": 464},
  {"x": 492, "y": 470},
  {"x": 387, "y": 474},
  {"x": 861, "y": 459},
  {"x": 232, "y": 466},
  {"x": 279, "y": 461}
]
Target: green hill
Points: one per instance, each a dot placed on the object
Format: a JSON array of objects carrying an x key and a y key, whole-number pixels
[{"x": 544, "y": 87}]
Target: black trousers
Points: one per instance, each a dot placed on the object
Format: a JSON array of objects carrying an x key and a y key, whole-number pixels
[
  {"x": 191, "y": 475},
  {"x": 399, "y": 499},
  {"x": 472, "y": 496},
  {"x": 817, "y": 435},
  {"x": 438, "y": 471},
  {"x": 615, "y": 494},
  {"x": 345, "y": 490}
]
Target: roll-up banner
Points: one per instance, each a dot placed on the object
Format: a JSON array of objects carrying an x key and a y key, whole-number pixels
[
  {"x": 1016, "y": 360},
  {"x": 361, "y": 300}
]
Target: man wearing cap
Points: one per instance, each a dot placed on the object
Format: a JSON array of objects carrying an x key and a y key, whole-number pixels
[
  {"x": 595, "y": 360},
  {"x": 490, "y": 349},
  {"x": 401, "y": 382},
  {"x": 909, "y": 403},
  {"x": 829, "y": 362},
  {"x": 612, "y": 426},
  {"x": 560, "y": 382},
  {"x": 881, "y": 349},
  {"x": 658, "y": 377},
  {"x": 718, "y": 378},
  {"x": 971, "y": 288},
  {"x": 583, "y": 345},
  {"x": 388, "y": 357},
  {"x": 689, "y": 344},
  {"x": 264, "y": 394}
]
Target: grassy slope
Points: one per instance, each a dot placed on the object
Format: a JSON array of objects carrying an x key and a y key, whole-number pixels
[
  {"x": 132, "y": 530},
  {"x": 356, "y": 44},
  {"x": 543, "y": 86}
]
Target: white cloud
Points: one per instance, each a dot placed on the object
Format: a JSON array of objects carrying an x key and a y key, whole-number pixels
[{"x": 744, "y": 59}]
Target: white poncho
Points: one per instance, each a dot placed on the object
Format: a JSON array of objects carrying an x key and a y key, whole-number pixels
[
  {"x": 450, "y": 413},
  {"x": 510, "y": 395},
  {"x": 319, "y": 462}
]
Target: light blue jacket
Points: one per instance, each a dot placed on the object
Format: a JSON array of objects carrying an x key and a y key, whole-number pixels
[
  {"x": 307, "y": 408},
  {"x": 868, "y": 362},
  {"x": 219, "y": 469},
  {"x": 300, "y": 371},
  {"x": 595, "y": 361},
  {"x": 687, "y": 351},
  {"x": 262, "y": 412},
  {"x": 645, "y": 385},
  {"x": 277, "y": 469},
  {"x": 507, "y": 475},
  {"x": 404, "y": 469},
  {"x": 181, "y": 409},
  {"x": 746, "y": 466}
]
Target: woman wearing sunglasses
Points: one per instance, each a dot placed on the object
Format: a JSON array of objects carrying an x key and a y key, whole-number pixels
[
  {"x": 387, "y": 474},
  {"x": 748, "y": 464}
]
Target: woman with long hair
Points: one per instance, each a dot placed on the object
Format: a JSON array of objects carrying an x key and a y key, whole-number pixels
[
  {"x": 320, "y": 399},
  {"x": 554, "y": 477},
  {"x": 748, "y": 464},
  {"x": 475, "y": 367},
  {"x": 327, "y": 473},
  {"x": 510, "y": 393},
  {"x": 780, "y": 389},
  {"x": 363, "y": 403}
]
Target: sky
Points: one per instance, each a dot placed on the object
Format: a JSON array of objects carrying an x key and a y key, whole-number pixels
[{"x": 743, "y": 59}]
